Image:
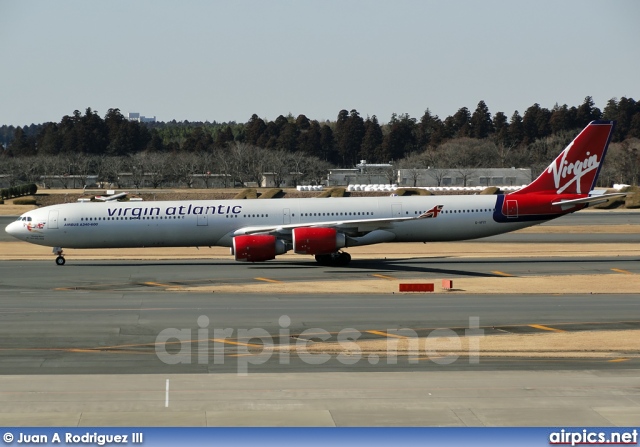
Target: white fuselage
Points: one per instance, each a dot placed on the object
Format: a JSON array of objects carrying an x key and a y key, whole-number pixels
[{"x": 216, "y": 222}]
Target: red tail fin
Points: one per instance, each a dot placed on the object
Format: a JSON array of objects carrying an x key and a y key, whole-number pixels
[{"x": 576, "y": 169}]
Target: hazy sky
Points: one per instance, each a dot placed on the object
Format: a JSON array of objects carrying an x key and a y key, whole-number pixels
[{"x": 225, "y": 60}]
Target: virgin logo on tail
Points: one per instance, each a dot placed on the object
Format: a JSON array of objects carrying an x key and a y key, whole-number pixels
[{"x": 578, "y": 168}]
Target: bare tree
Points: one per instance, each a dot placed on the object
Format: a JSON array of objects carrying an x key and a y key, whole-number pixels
[
  {"x": 245, "y": 162},
  {"x": 436, "y": 165},
  {"x": 27, "y": 169},
  {"x": 254, "y": 164},
  {"x": 136, "y": 165},
  {"x": 316, "y": 171},
  {"x": 391, "y": 173},
  {"x": 207, "y": 166},
  {"x": 156, "y": 167},
  {"x": 298, "y": 161},
  {"x": 504, "y": 155},
  {"x": 624, "y": 158},
  {"x": 49, "y": 165},
  {"x": 225, "y": 164},
  {"x": 239, "y": 160},
  {"x": 542, "y": 151},
  {"x": 414, "y": 166},
  {"x": 9, "y": 168},
  {"x": 279, "y": 164},
  {"x": 65, "y": 168},
  {"x": 184, "y": 167},
  {"x": 83, "y": 168},
  {"x": 111, "y": 168}
]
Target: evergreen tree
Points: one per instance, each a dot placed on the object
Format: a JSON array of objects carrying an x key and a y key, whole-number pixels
[
  {"x": 269, "y": 137},
  {"x": 113, "y": 120},
  {"x": 562, "y": 118},
  {"x": 303, "y": 122},
  {"x": 198, "y": 141},
  {"x": 481, "y": 124},
  {"x": 69, "y": 134},
  {"x": 400, "y": 140},
  {"x": 22, "y": 145},
  {"x": 310, "y": 141},
  {"x": 372, "y": 139},
  {"x": 516, "y": 129},
  {"x": 460, "y": 123},
  {"x": 92, "y": 133},
  {"x": 328, "y": 145},
  {"x": 350, "y": 138},
  {"x": 535, "y": 123},
  {"x": 223, "y": 137},
  {"x": 587, "y": 112},
  {"x": 49, "y": 140},
  {"x": 627, "y": 108},
  {"x": 288, "y": 138},
  {"x": 611, "y": 110},
  {"x": 340, "y": 129},
  {"x": 429, "y": 131},
  {"x": 501, "y": 128},
  {"x": 634, "y": 130},
  {"x": 254, "y": 129}
]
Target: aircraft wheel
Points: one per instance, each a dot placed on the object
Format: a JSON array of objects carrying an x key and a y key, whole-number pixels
[
  {"x": 60, "y": 260},
  {"x": 343, "y": 259},
  {"x": 337, "y": 259},
  {"x": 323, "y": 259}
]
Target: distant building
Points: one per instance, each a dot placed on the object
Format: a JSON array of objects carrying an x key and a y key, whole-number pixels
[
  {"x": 464, "y": 177},
  {"x": 364, "y": 166},
  {"x": 372, "y": 174},
  {"x": 363, "y": 173},
  {"x": 134, "y": 116}
]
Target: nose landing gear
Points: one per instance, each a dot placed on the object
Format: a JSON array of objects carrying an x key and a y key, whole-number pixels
[{"x": 60, "y": 259}]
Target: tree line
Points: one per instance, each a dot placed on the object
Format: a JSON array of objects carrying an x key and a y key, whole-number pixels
[{"x": 469, "y": 139}]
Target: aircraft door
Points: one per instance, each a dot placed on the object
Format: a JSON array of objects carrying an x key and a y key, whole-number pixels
[
  {"x": 512, "y": 209},
  {"x": 396, "y": 210},
  {"x": 53, "y": 220},
  {"x": 286, "y": 216},
  {"x": 203, "y": 221}
]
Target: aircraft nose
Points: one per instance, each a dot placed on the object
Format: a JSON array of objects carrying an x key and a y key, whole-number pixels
[{"x": 14, "y": 229}]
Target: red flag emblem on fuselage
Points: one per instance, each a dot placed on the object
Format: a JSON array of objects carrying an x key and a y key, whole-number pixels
[{"x": 433, "y": 212}]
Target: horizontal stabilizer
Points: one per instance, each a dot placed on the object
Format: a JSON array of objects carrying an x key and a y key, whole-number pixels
[{"x": 592, "y": 200}]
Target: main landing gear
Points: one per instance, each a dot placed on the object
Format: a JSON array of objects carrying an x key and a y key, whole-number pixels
[
  {"x": 337, "y": 259},
  {"x": 60, "y": 259}
]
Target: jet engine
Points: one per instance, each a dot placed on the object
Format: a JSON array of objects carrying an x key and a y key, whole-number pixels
[
  {"x": 317, "y": 241},
  {"x": 257, "y": 247}
]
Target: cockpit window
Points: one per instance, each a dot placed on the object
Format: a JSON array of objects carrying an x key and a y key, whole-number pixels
[{"x": 24, "y": 219}]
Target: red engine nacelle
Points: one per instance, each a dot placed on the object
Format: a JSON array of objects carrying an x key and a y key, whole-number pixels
[
  {"x": 317, "y": 241},
  {"x": 257, "y": 248}
]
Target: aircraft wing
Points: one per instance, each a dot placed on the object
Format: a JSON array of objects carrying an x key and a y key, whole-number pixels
[{"x": 348, "y": 227}]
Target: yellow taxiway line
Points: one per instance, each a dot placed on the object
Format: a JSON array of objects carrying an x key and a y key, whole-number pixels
[
  {"x": 267, "y": 280},
  {"x": 545, "y": 328}
]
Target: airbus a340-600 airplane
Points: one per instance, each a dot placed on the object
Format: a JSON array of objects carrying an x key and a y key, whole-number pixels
[{"x": 259, "y": 230}]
